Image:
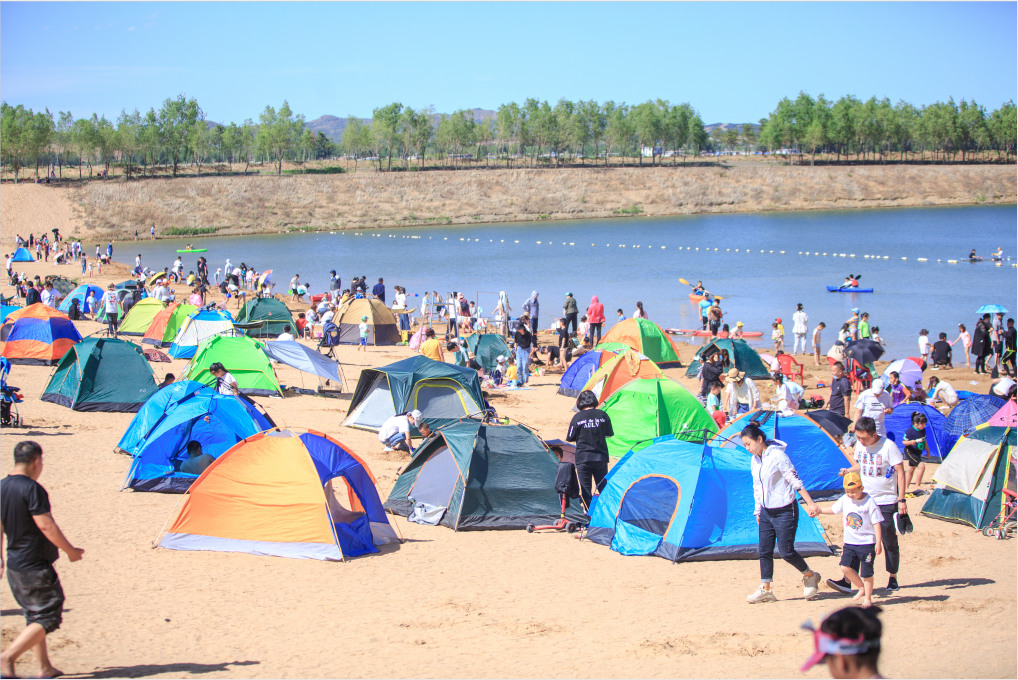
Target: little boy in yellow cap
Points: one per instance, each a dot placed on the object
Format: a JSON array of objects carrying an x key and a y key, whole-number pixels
[{"x": 861, "y": 519}]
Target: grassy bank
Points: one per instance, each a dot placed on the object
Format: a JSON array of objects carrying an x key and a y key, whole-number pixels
[{"x": 243, "y": 205}]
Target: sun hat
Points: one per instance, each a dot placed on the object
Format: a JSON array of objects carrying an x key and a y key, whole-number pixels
[
  {"x": 364, "y": 318},
  {"x": 739, "y": 324},
  {"x": 825, "y": 645},
  {"x": 852, "y": 480},
  {"x": 736, "y": 374}
]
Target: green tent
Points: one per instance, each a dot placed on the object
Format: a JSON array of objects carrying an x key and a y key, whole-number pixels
[
  {"x": 140, "y": 316},
  {"x": 743, "y": 357},
  {"x": 166, "y": 323},
  {"x": 270, "y": 310},
  {"x": 100, "y": 314},
  {"x": 242, "y": 357},
  {"x": 102, "y": 374},
  {"x": 487, "y": 476},
  {"x": 644, "y": 409},
  {"x": 486, "y": 348},
  {"x": 443, "y": 393},
  {"x": 646, "y": 337}
]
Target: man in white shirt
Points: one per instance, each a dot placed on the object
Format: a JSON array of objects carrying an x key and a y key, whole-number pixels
[
  {"x": 112, "y": 307},
  {"x": 880, "y": 465},
  {"x": 873, "y": 403},
  {"x": 196, "y": 460},
  {"x": 395, "y": 432},
  {"x": 741, "y": 394},
  {"x": 285, "y": 335}
]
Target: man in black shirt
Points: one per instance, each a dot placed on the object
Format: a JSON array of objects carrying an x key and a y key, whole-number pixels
[
  {"x": 942, "y": 352},
  {"x": 32, "y": 295},
  {"x": 841, "y": 390},
  {"x": 524, "y": 340},
  {"x": 590, "y": 429},
  {"x": 563, "y": 343},
  {"x": 379, "y": 290},
  {"x": 33, "y": 539}
]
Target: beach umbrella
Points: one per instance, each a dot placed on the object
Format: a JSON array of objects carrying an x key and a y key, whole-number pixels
[
  {"x": 265, "y": 277},
  {"x": 971, "y": 413},
  {"x": 991, "y": 309},
  {"x": 909, "y": 372},
  {"x": 864, "y": 351},
  {"x": 830, "y": 422}
]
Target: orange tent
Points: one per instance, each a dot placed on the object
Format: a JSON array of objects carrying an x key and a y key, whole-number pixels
[
  {"x": 646, "y": 337},
  {"x": 619, "y": 370},
  {"x": 166, "y": 323},
  {"x": 278, "y": 493}
]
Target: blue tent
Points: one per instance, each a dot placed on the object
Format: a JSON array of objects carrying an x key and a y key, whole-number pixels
[
  {"x": 23, "y": 255},
  {"x": 686, "y": 501},
  {"x": 938, "y": 441},
  {"x": 6, "y": 310},
  {"x": 173, "y": 416},
  {"x": 577, "y": 375},
  {"x": 81, "y": 295},
  {"x": 817, "y": 457}
]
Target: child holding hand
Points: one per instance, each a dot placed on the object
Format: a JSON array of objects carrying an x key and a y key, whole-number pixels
[{"x": 861, "y": 519}]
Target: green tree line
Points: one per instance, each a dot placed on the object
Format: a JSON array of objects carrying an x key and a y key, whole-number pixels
[{"x": 532, "y": 133}]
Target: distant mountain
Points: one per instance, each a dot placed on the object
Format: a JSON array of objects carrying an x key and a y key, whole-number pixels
[{"x": 333, "y": 126}]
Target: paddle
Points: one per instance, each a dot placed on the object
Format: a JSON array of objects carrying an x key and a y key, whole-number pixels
[{"x": 684, "y": 282}]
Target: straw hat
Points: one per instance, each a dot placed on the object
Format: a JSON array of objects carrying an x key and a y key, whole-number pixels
[
  {"x": 739, "y": 324},
  {"x": 736, "y": 374}
]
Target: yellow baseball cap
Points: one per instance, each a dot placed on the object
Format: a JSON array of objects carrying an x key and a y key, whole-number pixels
[{"x": 852, "y": 481}]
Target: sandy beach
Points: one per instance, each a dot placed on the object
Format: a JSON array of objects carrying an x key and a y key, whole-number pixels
[{"x": 454, "y": 604}]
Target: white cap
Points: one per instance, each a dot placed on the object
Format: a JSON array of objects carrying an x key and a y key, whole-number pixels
[
  {"x": 416, "y": 415},
  {"x": 878, "y": 386},
  {"x": 500, "y": 359}
]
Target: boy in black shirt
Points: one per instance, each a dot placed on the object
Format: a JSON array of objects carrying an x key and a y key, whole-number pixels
[
  {"x": 32, "y": 542},
  {"x": 942, "y": 352},
  {"x": 841, "y": 390},
  {"x": 914, "y": 441},
  {"x": 590, "y": 429}
]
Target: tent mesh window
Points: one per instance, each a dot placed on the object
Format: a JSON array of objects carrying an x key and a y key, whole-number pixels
[{"x": 442, "y": 399}]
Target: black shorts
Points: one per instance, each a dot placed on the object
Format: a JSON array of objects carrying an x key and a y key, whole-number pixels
[
  {"x": 39, "y": 593},
  {"x": 865, "y": 554},
  {"x": 913, "y": 457}
]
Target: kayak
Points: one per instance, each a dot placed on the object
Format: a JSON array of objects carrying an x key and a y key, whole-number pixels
[
  {"x": 693, "y": 297},
  {"x": 707, "y": 334},
  {"x": 971, "y": 259},
  {"x": 835, "y": 289},
  {"x": 193, "y": 250}
]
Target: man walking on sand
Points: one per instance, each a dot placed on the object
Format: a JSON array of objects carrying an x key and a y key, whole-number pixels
[{"x": 33, "y": 544}]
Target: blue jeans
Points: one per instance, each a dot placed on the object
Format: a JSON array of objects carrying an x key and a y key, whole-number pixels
[
  {"x": 777, "y": 525},
  {"x": 533, "y": 325},
  {"x": 522, "y": 363},
  {"x": 740, "y": 408}
]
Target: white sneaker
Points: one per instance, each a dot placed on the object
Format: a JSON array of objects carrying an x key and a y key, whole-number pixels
[
  {"x": 810, "y": 586},
  {"x": 761, "y": 594}
]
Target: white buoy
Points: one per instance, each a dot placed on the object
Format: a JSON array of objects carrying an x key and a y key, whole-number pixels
[
  {"x": 885, "y": 257},
  {"x": 538, "y": 241},
  {"x": 952, "y": 261},
  {"x": 782, "y": 252},
  {"x": 904, "y": 258},
  {"x": 502, "y": 241},
  {"x": 571, "y": 243},
  {"x": 662, "y": 247},
  {"x": 515, "y": 241},
  {"x": 921, "y": 259},
  {"x": 736, "y": 250}
]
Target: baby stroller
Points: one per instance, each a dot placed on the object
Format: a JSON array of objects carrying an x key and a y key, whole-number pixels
[
  {"x": 330, "y": 338},
  {"x": 10, "y": 397},
  {"x": 567, "y": 484}
]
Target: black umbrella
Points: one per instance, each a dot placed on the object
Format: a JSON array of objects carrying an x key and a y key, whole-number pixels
[
  {"x": 864, "y": 351},
  {"x": 832, "y": 423}
]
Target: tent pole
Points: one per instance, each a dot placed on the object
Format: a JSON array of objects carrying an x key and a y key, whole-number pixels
[{"x": 155, "y": 543}]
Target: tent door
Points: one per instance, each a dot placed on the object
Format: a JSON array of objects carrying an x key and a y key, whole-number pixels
[
  {"x": 436, "y": 480},
  {"x": 646, "y": 513},
  {"x": 442, "y": 398},
  {"x": 376, "y": 407}
]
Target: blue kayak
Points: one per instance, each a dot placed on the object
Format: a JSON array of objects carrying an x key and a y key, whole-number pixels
[{"x": 835, "y": 289}]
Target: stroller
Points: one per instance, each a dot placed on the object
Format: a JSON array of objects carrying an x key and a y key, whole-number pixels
[
  {"x": 10, "y": 397},
  {"x": 330, "y": 338},
  {"x": 567, "y": 484}
]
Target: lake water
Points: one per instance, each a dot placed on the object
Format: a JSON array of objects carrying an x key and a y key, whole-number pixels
[{"x": 587, "y": 257}]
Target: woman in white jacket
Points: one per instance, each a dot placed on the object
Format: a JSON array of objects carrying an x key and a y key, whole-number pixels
[
  {"x": 775, "y": 482},
  {"x": 799, "y": 319}
]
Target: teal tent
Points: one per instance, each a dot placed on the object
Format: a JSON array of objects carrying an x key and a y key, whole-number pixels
[
  {"x": 742, "y": 356},
  {"x": 102, "y": 374},
  {"x": 485, "y": 476},
  {"x": 443, "y": 393},
  {"x": 272, "y": 312},
  {"x": 487, "y": 348}
]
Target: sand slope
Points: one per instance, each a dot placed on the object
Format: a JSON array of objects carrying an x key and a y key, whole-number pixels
[{"x": 470, "y": 604}]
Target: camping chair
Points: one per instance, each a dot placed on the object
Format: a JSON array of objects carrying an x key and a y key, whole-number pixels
[
  {"x": 10, "y": 397},
  {"x": 790, "y": 368},
  {"x": 859, "y": 376}
]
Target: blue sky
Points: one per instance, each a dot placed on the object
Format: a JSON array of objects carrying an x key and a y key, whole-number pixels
[{"x": 732, "y": 61}]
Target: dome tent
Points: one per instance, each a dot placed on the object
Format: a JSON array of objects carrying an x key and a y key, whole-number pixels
[
  {"x": 282, "y": 494},
  {"x": 642, "y": 410},
  {"x": 686, "y": 501},
  {"x": 37, "y": 334},
  {"x": 382, "y": 326},
  {"x": 271, "y": 311},
  {"x": 816, "y": 456},
  {"x": 647, "y": 338},
  {"x": 938, "y": 441},
  {"x": 969, "y": 485},
  {"x": 140, "y": 316},
  {"x": 486, "y": 476},
  {"x": 81, "y": 295},
  {"x": 580, "y": 371},
  {"x": 165, "y": 324},
  {"x": 158, "y": 435},
  {"x": 621, "y": 370},
  {"x": 102, "y": 374},
  {"x": 197, "y": 328},
  {"x": 22, "y": 255},
  {"x": 443, "y": 393},
  {"x": 486, "y": 348},
  {"x": 242, "y": 357},
  {"x": 742, "y": 356}
]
